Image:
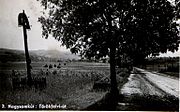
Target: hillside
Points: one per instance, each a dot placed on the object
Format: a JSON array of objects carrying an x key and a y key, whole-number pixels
[
  {"x": 54, "y": 54},
  {"x": 36, "y": 55}
]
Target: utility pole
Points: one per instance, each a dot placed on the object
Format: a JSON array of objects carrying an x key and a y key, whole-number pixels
[{"x": 23, "y": 21}]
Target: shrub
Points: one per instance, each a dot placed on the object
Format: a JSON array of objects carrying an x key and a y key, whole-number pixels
[
  {"x": 50, "y": 66},
  {"x": 45, "y": 65},
  {"x": 54, "y": 72}
]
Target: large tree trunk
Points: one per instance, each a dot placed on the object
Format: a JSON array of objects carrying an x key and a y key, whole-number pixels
[
  {"x": 113, "y": 96},
  {"x": 114, "y": 93},
  {"x": 114, "y": 90}
]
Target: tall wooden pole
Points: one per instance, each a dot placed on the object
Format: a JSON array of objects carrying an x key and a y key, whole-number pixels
[
  {"x": 23, "y": 21},
  {"x": 28, "y": 60}
]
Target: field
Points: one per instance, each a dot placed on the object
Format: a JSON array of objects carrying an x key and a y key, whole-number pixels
[
  {"x": 84, "y": 86},
  {"x": 69, "y": 84}
]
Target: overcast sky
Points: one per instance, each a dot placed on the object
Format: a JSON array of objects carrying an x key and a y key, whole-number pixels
[{"x": 11, "y": 35}]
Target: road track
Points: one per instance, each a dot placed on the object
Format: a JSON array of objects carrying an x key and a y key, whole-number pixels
[{"x": 149, "y": 83}]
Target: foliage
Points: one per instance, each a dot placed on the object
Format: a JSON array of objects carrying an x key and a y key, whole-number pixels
[
  {"x": 140, "y": 28},
  {"x": 151, "y": 30},
  {"x": 101, "y": 28}
]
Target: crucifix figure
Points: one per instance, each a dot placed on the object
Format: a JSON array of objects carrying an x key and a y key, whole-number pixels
[{"x": 23, "y": 21}]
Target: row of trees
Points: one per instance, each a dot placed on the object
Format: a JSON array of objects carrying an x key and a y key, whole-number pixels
[
  {"x": 162, "y": 60},
  {"x": 101, "y": 28}
]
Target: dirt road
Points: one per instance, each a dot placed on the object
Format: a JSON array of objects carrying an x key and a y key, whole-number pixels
[
  {"x": 147, "y": 83},
  {"x": 149, "y": 91}
]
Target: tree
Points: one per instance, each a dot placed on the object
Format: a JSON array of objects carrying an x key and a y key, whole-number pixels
[
  {"x": 152, "y": 30},
  {"x": 100, "y": 28},
  {"x": 177, "y": 4}
]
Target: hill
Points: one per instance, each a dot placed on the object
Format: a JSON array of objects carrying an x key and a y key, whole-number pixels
[
  {"x": 55, "y": 54},
  {"x": 36, "y": 55}
]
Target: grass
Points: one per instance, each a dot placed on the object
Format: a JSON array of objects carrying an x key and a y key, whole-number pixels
[
  {"x": 136, "y": 102},
  {"x": 106, "y": 103},
  {"x": 64, "y": 85},
  {"x": 151, "y": 102},
  {"x": 72, "y": 85}
]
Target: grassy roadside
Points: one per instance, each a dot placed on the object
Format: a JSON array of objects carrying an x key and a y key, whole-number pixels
[
  {"x": 136, "y": 102},
  {"x": 149, "y": 103},
  {"x": 172, "y": 74},
  {"x": 105, "y": 102}
]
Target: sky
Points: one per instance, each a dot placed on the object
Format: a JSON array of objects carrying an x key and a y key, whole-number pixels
[{"x": 11, "y": 36}]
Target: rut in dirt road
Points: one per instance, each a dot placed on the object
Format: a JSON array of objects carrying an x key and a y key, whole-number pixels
[
  {"x": 149, "y": 91},
  {"x": 137, "y": 84},
  {"x": 147, "y": 83},
  {"x": 144, "y": 82},
  {"x": 169, "y": 85}
]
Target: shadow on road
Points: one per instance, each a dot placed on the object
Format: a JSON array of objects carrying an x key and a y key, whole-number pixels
[{"x": 136, "y": 102}]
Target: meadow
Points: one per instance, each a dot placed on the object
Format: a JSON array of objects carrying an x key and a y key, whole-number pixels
[
  {"x": 70, "y": 84},
  {"x": 78, "y": 85}
]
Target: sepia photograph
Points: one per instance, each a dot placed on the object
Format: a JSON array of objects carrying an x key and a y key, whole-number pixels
[{"x": 89, "y": 55}]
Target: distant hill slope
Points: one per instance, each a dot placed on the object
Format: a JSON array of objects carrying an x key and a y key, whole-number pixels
[
  {"x": 55, "y": 54},
  {"x": 36, "y": 55}
]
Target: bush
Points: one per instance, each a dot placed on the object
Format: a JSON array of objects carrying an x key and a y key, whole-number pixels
[
  {"x": 173, "y": 69},
  {"x": 45, "y": 65},
  {"x": 59, "y": 66},
  {"x": 54, "y": 72},
  {"x": 50, "y": 66}
]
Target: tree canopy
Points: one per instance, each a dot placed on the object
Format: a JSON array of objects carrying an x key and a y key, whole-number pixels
[
  {"x": 88, "y": 26},
  {"x": 100, "y": 28},
  {"x": 151, "y": 30}
]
